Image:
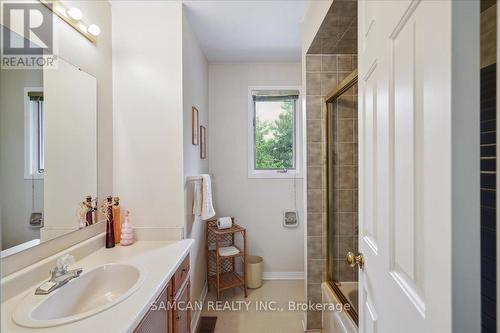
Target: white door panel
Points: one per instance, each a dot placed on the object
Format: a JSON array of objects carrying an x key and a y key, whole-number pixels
[
  {"x": 405, "y": 153},
  {"x": 368, "y": 176}
]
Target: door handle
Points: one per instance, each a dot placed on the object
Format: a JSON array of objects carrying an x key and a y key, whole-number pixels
[{"x": 355, "y": 259}]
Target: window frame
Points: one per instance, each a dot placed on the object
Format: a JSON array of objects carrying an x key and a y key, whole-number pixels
[
  {"x": 31, "y": 137},
  {"x": 298, "y": 138}
]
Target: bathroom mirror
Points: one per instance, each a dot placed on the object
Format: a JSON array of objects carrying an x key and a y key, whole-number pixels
[{"x": 48, "y": 153}]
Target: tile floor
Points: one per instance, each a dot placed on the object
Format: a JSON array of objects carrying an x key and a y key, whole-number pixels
[{"x": 230, "y": 320}]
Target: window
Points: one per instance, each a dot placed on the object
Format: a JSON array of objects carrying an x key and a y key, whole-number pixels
[
  {"x": 273, "y": 133},
  {"x": 33, "y": 134}
]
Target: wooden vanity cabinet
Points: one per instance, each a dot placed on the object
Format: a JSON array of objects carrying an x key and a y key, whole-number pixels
[
  {"x": 164, "y": 316},
  {"x": 156, "y": 319},
  {"x": 180, "y": 276},
  {"x": 181, "y": 315}
]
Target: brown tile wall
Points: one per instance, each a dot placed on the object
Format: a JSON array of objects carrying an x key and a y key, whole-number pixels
[
  {"x": 338, "y": 32},
  {"x": 323, "y": 73},
  {"x": 489, "y": 36}
]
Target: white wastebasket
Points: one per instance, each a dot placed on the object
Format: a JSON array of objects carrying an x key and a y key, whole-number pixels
[{"x": 254, "y": 271}]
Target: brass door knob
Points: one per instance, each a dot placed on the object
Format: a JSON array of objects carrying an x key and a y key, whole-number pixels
[{"x": 355, "y": 259}]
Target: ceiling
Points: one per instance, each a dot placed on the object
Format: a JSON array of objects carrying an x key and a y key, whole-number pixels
[{"x": 248, "y": 31}]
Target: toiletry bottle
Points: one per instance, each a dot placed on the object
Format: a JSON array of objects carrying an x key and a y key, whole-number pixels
[
  {"x": 110, "y": 235},
  {"x": 94, "y": 210},
  {"x": 89, "y": 216},
  {"x": 82, "y": 215},
  {"x": 127, "y": 237},
  {"x": 117, "y": 226}
]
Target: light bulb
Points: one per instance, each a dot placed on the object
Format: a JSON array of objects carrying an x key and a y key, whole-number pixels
[
  {"x": 94, "y": 30},
  {"x": 75, "y": 13}
]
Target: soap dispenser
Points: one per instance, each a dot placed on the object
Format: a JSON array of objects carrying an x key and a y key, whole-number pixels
[{"x": 127, "y": 236}]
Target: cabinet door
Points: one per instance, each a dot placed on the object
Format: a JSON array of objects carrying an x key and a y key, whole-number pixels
[
  {"x": 181, "y": 313},
  {"x": 180, "y": 276},
  {"x": 156, "y": 319}
]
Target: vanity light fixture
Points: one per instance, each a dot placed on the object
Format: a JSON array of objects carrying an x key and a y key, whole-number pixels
[
  {"x": 94, "y": 30},
  {"x": 72, "y": 16},
  {"x": 75, "y": 13}
]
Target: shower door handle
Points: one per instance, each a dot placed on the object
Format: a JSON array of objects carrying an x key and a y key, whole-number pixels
[{"x": 355, "y": 259}]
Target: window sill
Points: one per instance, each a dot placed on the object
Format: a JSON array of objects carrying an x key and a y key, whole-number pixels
[{"x": 274, "y": 175}]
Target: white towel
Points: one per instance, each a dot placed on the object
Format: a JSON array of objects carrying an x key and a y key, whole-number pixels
[
  {"x": 222, "y": 244},
  {"x": 202, "y": 205},
  {"x": 197, "y": 198},
  {"x": 228, "y": 251}
]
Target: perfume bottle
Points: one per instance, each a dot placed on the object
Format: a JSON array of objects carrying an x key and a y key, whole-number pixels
[
  {"x": 82, "y": 214},
  {"x": 117, "y": 219},
  {"x": 89, "y": 216},
  {"x": 110, "y": 233}
]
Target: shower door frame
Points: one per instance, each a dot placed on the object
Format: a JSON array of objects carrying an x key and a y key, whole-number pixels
[{"x": 340, "y": 89}]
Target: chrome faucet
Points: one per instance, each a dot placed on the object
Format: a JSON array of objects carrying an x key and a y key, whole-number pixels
[{"x": 59, "y": 275}]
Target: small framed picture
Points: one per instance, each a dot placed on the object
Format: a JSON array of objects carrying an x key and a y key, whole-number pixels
[
  {"x": 195, "y": 122},
  {"x": 203, "y": 142}
]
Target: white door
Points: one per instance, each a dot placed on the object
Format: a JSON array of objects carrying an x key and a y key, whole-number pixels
[{"x": 404, "y": 167}]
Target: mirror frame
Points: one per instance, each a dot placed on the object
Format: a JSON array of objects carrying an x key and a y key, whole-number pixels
[{"x": 27, "y": 257}]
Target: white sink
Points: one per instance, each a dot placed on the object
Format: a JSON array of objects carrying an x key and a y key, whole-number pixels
[{"x": 93, "y": 292}]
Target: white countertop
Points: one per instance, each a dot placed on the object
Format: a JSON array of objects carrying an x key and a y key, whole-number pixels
[{"x": 156, "y": 260}]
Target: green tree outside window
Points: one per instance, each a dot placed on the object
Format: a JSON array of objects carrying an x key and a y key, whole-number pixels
[{"x": 274, "y": 140}]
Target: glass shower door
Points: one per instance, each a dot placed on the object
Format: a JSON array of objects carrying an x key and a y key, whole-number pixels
[{"x": 342, "y": 219}]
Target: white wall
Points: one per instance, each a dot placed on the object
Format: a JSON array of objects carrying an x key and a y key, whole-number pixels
[
  {"x": 159, "y": 73},
  {"x": 195, "y": 93},
  {"x": 465, "y": 172},
  {"x": 147, "y": 111},
  {"x": 257, "y": 204}
]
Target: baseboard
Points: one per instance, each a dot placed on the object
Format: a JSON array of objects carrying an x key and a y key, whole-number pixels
[
  {"x": 283, "y": 275},
  {"x": 280, "y": 275},
  {"x": 197, "y": 313}
]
